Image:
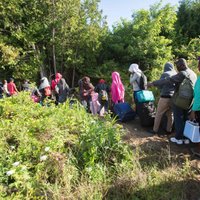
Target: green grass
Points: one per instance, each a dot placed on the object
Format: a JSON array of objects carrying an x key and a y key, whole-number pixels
[{"x": 66, "y": 153}]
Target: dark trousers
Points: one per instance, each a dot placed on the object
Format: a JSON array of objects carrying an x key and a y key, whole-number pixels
[
  {"x": 197, "y": 113},
  {"x": 180, "y": 117}
]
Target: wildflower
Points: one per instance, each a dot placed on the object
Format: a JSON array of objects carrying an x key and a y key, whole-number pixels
[
  {"x": 9, "y": 173},
  {"x": 12, "y": 147},
  {"x": 47, "y": 148},
  {"x": 42, "y": 158},
  {"x": 16, "y": 164},
  {"x": 23, "y": 168}
]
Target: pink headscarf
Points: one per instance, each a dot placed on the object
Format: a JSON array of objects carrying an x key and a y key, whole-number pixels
[
  {"x": 56, "y": 80},
  {"x": 117, "y": 88}
]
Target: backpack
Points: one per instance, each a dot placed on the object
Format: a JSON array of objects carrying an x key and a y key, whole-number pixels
[
  {"x": 143, "y": 82},
  {"x": 102, "y": 90},
  {"x": 183, "y": 97},
  {"x": 103, "y": 95}
]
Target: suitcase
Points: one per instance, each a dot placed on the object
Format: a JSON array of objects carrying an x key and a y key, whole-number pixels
[
  {"x": 124, "y": 112},
  {"x": 146, "y": 112}
]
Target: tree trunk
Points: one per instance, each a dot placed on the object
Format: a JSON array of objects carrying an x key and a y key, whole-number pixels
[
  {"x": 53, "y": 39},
  {"x": 73, "y": 76}
]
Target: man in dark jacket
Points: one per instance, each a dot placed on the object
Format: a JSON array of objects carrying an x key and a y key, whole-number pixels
[
  {"x": 164, "y": 103},
  {"x": 180, "y": 115}
]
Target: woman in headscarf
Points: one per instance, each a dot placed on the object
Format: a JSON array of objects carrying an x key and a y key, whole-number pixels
[
  {"x": 44, "y": 88},
  {"x": 117, "y": 89},
  {"x": 135, "y": 76},
  {"x": 86, "y": 88},
  {"x": 62, "y": 89},
  {"x": 54, "y": 82}
]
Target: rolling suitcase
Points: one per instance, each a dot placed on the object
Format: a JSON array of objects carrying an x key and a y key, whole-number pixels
[{"x": 124, "y": 112}]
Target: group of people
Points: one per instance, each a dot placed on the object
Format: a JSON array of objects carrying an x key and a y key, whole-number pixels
[
  {"x": 97, "y": 99},
  {"x": 8, "y": 89},
  {"x": 58, "y": 89},
  {"x": 169, "y": 84}
]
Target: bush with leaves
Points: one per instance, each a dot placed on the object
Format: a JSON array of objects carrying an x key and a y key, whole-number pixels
[{"x": 44, "y": 147}]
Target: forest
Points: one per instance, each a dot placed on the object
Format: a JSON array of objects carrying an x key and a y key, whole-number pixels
[
  {"x": 39, "y": 38},
  {"x": 63, "y": 152}
]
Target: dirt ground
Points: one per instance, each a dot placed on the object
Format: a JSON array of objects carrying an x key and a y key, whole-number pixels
[{"x": 138, "y": 136}]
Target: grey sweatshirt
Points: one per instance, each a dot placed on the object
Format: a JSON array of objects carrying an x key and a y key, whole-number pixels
[
  {"x": 178, "y": 78},
  {"x": 166, "y": 90}
]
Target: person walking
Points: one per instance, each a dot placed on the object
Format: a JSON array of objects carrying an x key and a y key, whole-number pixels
[
  {"x": 85, "y": 89},
  {"x": 117, "y": 89},
  {"x": 180, "y": 114},
  {"x": 164, "y": 104},
  {"x": 195, "y": 111},
  {"x": 135, "y": 78},
  {"x": 103, "y": 90},
  {"x": 12, "y": 89},
  {"x": 5, "y": 88}
]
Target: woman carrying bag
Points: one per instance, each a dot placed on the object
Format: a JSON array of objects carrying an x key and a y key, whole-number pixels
[{"x": 195, "y": 112}]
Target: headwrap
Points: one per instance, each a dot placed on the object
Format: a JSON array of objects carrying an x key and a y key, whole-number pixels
[
  {"x": 102, "y": 81},
  {"x": 134, "y": 68},
  {"x": 117, "y": 88},
  {"x": 56, "y": 80},
  {"x": 44, "y": 83}
]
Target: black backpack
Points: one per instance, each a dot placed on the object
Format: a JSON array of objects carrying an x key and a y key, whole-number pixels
[
  {"x": 143, "y": 82},
  {"x": 103, "y": 94}
]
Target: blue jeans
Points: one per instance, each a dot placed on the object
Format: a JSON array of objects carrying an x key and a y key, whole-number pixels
[{"x": 180, "y": 117}]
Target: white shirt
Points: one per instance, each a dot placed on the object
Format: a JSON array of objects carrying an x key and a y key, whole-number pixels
[
  {"x": 5, "y": 88},
  {"x": 135, "y": 80}
]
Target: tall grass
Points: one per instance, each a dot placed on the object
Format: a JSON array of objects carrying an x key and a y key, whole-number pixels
[{"x": 59, "y": 152}]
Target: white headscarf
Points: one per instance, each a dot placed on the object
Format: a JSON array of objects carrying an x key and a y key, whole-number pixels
[
  {"x": 134, "y": 68},
  {"x": 44, "y": 83}
]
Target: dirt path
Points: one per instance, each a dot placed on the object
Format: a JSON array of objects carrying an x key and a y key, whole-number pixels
[{"x": 138, "y": 136}]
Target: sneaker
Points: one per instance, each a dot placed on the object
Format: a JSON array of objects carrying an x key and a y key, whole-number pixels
[
  {"x": 186, "y": 141},
  {"x": 173, "y": 139}
]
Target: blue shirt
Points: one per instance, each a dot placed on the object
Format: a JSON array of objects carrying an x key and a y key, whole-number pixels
[{"x": 196, "y": 103}]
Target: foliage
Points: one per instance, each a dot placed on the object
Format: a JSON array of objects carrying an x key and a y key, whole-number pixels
[
  {"x": 44, "y": 147},
  {"x": 145, "y": 40},
  {"x": 28, "y": 27},
  {"x": 187, "y": 26}
]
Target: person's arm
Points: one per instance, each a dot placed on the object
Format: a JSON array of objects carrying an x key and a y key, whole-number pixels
[
  {"x": 178, "y": 78},
  {"x": 158, "y": 83}
]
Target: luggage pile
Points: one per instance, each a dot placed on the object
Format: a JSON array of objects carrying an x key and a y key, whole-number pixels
[{"x": 145, "y": 107}]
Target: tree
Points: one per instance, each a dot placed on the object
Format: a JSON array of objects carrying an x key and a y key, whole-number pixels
[{"x": 146, "y": 40}]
